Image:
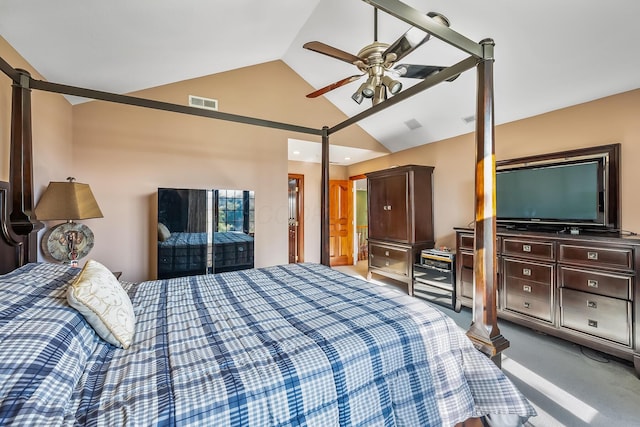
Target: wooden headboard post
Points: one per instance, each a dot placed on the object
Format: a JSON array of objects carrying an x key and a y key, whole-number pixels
[
  {"x": 20, "y": 231},
  {"x": 11, "y": 245}
]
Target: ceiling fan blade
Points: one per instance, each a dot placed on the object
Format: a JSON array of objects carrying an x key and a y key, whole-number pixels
[
  {"x": 333, "y": 86},
  {"x": 410, "y": 40},
  {"x": 331, "y": 51},
  {"x": 413, "y": 71}
]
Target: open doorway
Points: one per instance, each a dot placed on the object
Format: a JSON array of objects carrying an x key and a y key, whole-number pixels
[
  {"x": 340, "y": 223},
  {"x": 361, "y": 228},
  {"x": 296, "y": 218}
]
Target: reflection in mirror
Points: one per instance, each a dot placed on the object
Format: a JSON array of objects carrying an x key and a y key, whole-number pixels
[{"x": 204, "y": 231}]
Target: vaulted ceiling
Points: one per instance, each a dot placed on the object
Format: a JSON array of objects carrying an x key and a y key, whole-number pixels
[{"x": 549, "y": 54}]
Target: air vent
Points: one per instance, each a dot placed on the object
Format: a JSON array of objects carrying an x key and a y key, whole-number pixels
[
  {"x": 206, "y": 103},
  {"x": 413, "y": 124}
]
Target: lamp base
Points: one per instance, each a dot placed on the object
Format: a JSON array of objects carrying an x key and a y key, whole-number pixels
[{"x": 67, "y": 242}]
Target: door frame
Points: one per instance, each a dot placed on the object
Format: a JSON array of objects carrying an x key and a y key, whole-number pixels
[
  {"x": 300, "y": 207},
  {"x": 355, "y": 215}
]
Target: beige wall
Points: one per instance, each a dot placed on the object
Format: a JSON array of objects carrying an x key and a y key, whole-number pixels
[
  {"x": 604, "y": 121},
  {"x": 125, "y": 153}
]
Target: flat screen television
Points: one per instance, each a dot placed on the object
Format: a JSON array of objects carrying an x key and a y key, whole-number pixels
[{"x": 561, "y": 190}]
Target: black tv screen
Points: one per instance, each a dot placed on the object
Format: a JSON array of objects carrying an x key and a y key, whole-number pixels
[{"x": 569, "y": 194}]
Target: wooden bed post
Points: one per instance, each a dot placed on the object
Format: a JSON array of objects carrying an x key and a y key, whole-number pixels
[
  {"x": 21, "y": 217},
  {"x": 324, "y": 195},
  {"x": 484, "y": 332}
]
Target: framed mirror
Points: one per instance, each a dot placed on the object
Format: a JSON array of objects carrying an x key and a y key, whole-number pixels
[{"x": 204, "y": 231}]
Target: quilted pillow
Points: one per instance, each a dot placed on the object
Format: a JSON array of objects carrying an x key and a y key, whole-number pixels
[
  {"x": 163, "y": 232},
  {"x": 99, "y": 297}
]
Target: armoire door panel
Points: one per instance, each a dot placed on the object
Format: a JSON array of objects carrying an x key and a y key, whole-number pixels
[
  {"x": 377, "y": 201},
  {"x": 396, "y": 209}
]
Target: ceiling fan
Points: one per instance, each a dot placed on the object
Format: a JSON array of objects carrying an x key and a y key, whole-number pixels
[{"x": 377, "y": 61}]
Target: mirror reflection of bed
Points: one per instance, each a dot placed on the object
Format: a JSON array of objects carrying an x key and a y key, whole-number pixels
[{"x": 204, "y": 231}]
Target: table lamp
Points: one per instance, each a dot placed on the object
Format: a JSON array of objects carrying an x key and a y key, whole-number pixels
[{"x": 69, "y": 201}]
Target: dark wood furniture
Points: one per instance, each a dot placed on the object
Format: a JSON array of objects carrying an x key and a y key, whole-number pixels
[
  {"x": 400, "y": 215},
  {"x": 582, "y": 288}
]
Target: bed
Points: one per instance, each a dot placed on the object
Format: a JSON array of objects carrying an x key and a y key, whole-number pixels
[
  {"x": 298, "y": 344},
  {"x": 294, "y": 345}
]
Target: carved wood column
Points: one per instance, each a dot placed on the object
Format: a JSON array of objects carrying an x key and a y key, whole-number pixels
[
  {"x": 484, "y": 332},
  {"x": 21, "y": 218}
]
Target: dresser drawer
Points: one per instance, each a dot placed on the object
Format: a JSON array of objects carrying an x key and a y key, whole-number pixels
[
  {"x": 530, "y": 298},
  {"x": 528, "y": 248},
  {"x": 466, "y": 241},
  {"x": 466, "y": 274},
  {"x": 390, "y": 258},
  {"x": 596, "y": 257},
  {"x": 605, "y": 317},
  {"x": 611, "y": 285},
  {"x": 542, "y": 273}
]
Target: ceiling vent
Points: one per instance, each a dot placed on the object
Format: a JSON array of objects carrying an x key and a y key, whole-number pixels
[
  {"x": 206, "y": 103},
  {"x": 413, "y": 124}
]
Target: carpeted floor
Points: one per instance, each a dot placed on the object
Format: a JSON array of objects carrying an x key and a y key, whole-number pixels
[{"x": 569, "y": 385}]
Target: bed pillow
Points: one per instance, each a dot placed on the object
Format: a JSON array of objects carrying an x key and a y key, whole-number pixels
[
  {"x": 163, "y": 232},
  {"x": 97, "y": 294}
]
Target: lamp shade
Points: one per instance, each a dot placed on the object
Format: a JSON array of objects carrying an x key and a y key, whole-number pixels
[{"x": 67, "y": 201}]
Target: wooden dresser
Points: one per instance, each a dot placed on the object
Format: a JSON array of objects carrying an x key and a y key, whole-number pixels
[
  {"x": 400, "y": 215},
  {"x": 582, "y": 288}
]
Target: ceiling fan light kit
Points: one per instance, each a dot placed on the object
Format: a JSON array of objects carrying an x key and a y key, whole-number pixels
[{"x": 377, "y": 61}]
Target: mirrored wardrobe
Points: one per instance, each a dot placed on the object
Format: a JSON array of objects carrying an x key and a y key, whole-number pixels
[{"x": 204, "y": 231}]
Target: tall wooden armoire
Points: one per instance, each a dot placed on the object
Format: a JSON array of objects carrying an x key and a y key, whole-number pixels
[{"x": 400, "y": 214}]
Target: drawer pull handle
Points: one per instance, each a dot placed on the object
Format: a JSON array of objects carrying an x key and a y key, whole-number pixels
[
  {"x": 592, "y": 283},
  {"x": 526, "y": 272},
  {"x": 386, "y": 207},
  {"x": 592, "y": 255},
  {"x": 593, "y": 323},
  {"x": 526, "y": 248},
  {"x": 526, "y": 288},
  {"x": 592, "y": 304},
  {"x": 527, "y": 305},
  {"x": 386, "y": 253}
]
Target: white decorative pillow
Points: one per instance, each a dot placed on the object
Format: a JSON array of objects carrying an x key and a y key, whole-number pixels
[
  {"x": 99, "y": 297},
  {"x": 163, "y": 232}
]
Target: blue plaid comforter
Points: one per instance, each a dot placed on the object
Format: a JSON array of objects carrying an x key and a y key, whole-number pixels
[{"x": 278, "y": 346}]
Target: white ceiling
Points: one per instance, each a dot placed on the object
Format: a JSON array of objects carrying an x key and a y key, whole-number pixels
[
  {"x": 549, "y": 54},
  {"x": 311, "y": 152}
]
